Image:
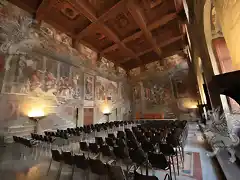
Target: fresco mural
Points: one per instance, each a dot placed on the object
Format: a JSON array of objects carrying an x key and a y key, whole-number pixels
[
  {"x": 39, "y": 76},
  {"x": 157, "y": 93},
  {"x": 137, "y": 93},
  {"x": 154, "y": 66},
  {"x": 38, "y": 67},
  {"x": 107, "y": 67},
  {"x": 135, "y": 71},
  {"x": 88, "y": 87},
  {"x": 106, "y": 89}
]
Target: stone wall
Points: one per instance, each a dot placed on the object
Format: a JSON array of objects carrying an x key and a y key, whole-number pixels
[{"x": 40, "y": 69}]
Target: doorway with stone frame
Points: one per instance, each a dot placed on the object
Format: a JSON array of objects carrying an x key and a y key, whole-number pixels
[{"x": 88, "y": 115}]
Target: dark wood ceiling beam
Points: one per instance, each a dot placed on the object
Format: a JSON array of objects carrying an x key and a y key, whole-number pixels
[
  {"x": 131, "y": 65},
  {"x": 23, "y": 6},
  {"x": 44, "y": 8},
  {"x": 119, "y": 7},
  {"x": 111, "y": 48},
  {"x": 86, "y": 9},
  {"x": 89, "y": 13},
  {"x": 139, "y": 18},
  {"x": 87, "y": 45},
  {"x": 117, "y": 40},
  {"x": 164, "y": 20},
  {"x": 163, "y": 44}
]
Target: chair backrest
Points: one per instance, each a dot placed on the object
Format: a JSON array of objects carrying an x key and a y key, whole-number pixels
[
  {"x": 137, "y": 156},
  {"x": 120, "y": 152},
  {"x": 116, "y": 173},
  {"x": 56, "y": 155},
  {"x": 109, "y": 141},
  {"x": 120, "y": 134},
  {"x": 167, "y": 149},
  {"x": 147, "y": 146},
  {"x": 93, "y": 147},
  {"x": 132, "y": 144},
  {"x": 106, "y": 151},
  {"x": 99, "y": 141},
  {"x": 121, "y": 142},
  {"x": 68, "y": 158},
  {"x": 97, "y": 167},
  {"x": 111, "y": 135},
  {"x": 158, "y": 160},
  {"x": 81, "y": 162},
  {"x": 84, "y": 146},
  {"x": 138, "y": 176}
]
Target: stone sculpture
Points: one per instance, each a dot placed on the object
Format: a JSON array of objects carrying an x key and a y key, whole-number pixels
[{"x": 220, "y": 136}]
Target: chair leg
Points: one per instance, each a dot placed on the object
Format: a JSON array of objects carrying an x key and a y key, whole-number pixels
[
  {"x": 170, "y": 168},
  {"x": 182, "y": 148},
  {"x": 73, "y": 167},
  {"x": 59, "y": 171},
  {"x": 177, "y": 162},
  {"x": 49, "y": 166},
  {"x": 174, "y": 171},
  {"x": 181, "y": 156}
]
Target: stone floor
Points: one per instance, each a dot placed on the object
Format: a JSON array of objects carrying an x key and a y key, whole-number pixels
[{"x": 26, "y": 168}]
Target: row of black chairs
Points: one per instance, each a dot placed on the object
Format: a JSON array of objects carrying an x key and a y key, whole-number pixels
[
  {"x": 122, "y": 151},
  {"x": 89, "y": 128},
  {"x": 101, "y": 168}
]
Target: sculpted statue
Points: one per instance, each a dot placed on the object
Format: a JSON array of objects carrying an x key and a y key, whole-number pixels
[{"x": 220, "y": 136}]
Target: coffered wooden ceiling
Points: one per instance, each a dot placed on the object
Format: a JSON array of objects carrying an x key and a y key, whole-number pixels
[{"x": 131, "y": 33}]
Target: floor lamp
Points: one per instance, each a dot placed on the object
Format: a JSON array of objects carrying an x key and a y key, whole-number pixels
[
  {"x": 36, "y": 115},
  {"x": 107, "y": 115}
]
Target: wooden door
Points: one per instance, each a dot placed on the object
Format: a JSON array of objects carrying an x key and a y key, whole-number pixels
[{"x": 88, "y": 116}]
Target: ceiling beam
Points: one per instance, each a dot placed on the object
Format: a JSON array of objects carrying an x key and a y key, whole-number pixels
[
  {"x": 23, "y": 6},
  {"x": 44, "y": 8},
  {"x": 131, "y": 65},
  {"x": 119, "y": 7},
  {"x": 89, "y": 13},
  {"x": 163, "y": 44},
  {"x": 164, "y": 20},
  {"x": 85, "y": 9},
  {"x": 139, "y": 18}
]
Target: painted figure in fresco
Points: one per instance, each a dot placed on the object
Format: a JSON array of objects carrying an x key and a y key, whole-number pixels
[
  {"x": 50, "y": 84},
  {"x": 89, "y": 88},
  {"x": 136, "y": 92},
  {"x": 76, "y": 89},
  {"x": 65, "y": 89},
  {"x": 25, "y": 89},
  {"x": 36, "y": 84}
]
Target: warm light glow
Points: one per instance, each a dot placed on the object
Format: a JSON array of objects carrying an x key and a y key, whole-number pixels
[
  {"x": 106, "y": 107},
  {"x": 36, "y": 112},
  {"x": 193, "y": 106},
  {"x": 106, "y": 110},
  {"x": 190, "y": 104}
]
